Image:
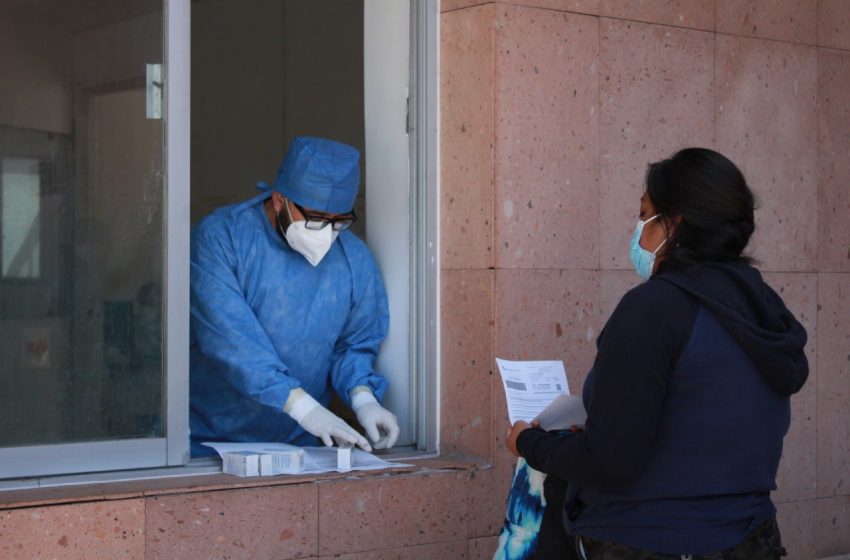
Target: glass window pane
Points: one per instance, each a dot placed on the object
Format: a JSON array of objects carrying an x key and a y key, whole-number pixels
[
  {"x": 81, "y": 204},
  {"x": 19, "y": 199}
]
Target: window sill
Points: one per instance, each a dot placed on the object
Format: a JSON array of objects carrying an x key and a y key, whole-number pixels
[{"x": 205, "y": 477}]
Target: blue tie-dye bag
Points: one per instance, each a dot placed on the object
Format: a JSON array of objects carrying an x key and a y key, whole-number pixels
[{"x": 533, "y": 527}]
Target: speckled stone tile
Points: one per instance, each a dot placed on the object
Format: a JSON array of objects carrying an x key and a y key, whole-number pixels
[
  {"x": 578, "y": 6},
  {"x": 547, "y": 207},
  {"x": 638, "y": 62},
  {"x": 549, "y": 315},
  {"x": 438, "y": 551},
  {"x": 395, "y": 512},
  {"x": 466, "y": 138},
  {"x": 112, "y": 530},
  {"x": 797, "y": 477},
  {"x": 832, "y": 534},
  {"x": 696, "y": 14},
  {"x": 797, "y": 523},
  {"x": 781, "y": 20},
  {"x": 488, "y": 494},
  {"x": 834, "y": 24},
  {"x": 833, "y": 150},
  {"x": 450, "y": 5},
  {"x": 613, "y": 285},
  {"x": 833, "y": 384},
  {"x": 767, "y": 125},
  {"x": 483, "y": 548},
  {"x": 466, "y": 383},
  {"x": 253, "y": 523}
]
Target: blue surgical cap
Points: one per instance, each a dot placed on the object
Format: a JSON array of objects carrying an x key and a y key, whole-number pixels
[{"x": 320, "y": 175}]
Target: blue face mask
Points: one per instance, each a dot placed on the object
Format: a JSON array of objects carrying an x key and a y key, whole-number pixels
[{"x": 643, "y": 260}]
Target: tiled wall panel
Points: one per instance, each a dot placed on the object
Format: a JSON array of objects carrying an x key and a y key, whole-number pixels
[
  {"x": 767, "y": 124},
  {"x": 466, "y": 136},
  {"x": 675, "y": 69},
  {"x": 87, "y": 531},
  {"x": 781, "y": 20},
  {"x": 696, "y": 14},
  {"x": 253, "y": 523},
  {"x": 547, "y": 147}
]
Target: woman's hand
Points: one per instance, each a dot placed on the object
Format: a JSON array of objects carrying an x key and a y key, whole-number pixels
[{"x": 513, "y": 433}]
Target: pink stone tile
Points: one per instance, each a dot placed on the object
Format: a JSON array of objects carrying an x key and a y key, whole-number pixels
[
  {"x": 466, "y": 383},
  {"x": 834, "y": 23},
  {"x": 488, "y": 493},
  {"x": 439, "y": 551},
  {"x": 832, "y": 534},
  {"x": 392, "y": 512},
  {"x": 767, "y": 125},
  {"x": 90, "y": 531},
  {"x": 833, "y": 147},
  {"x": 797, "y": 523},
  {"x": 466, "y": 116},
  {"x": 782, "y": 20},
  {"x": 639, "y": 62},
  {"x": 614, "y": 284},
  {"x": 449, "y": 5},
  {"x": 833, "y": 384},
  {"x": 482, "y": 549},
  {"x": 252, "y": 523},
  {"x": 797, "y": 477},
  {"x": 549, "y": 315},
  {"x": 696, "y": 14},
  {"x": 579, "y": 6},
  {"x": 547, "y": 207}
]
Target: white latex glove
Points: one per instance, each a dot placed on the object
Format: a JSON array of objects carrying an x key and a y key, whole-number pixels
[
  {"x": 320, "y": 421},
  {"x": 380, "y": 424}
]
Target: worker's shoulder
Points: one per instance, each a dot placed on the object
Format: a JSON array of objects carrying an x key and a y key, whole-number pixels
[
  {"x": 227, "y": 217},
  {"x": 356, "y": 249}
]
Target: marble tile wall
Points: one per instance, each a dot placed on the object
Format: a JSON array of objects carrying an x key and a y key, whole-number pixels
[{"x": 584, "y": 95}]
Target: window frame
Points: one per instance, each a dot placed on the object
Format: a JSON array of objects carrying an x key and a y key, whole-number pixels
[{"x": 152, "y": 458}]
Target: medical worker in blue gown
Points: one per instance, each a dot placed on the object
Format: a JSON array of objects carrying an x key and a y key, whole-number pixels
[{"x": 286, "y": 307}]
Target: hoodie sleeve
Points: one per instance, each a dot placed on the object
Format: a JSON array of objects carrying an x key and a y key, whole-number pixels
[{"x": 636, "y": 353}]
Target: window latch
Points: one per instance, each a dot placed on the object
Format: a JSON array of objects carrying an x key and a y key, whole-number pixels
[{"x": 154, "y": 91}]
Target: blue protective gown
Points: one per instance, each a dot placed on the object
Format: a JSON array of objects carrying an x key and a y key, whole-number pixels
[{"x": 264, "y": 321}]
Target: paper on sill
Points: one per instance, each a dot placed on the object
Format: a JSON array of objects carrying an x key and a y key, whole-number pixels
[{"x": 317, "y": 460}]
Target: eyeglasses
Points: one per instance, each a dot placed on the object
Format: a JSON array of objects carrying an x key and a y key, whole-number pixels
[{"x": 317, "y": 221}]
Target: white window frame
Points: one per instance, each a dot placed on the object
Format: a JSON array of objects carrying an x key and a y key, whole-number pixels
[
  {"x": 173, "y": 448},
  {"x": 411, "y": 267}
]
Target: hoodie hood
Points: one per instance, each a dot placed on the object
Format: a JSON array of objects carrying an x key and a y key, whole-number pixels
[{"x": 754, "y": 314}]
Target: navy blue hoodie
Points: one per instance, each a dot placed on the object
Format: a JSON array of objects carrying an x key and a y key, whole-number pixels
[{"x": 688, "y": 403}]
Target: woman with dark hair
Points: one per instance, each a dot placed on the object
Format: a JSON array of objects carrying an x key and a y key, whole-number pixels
[{"x": 688, "y": 398}]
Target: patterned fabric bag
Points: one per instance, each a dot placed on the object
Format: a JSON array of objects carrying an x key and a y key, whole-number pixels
[{"x": 533, "y": 528}]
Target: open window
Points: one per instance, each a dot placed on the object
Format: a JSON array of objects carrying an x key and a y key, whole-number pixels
[{"x": 96, "y": 204}]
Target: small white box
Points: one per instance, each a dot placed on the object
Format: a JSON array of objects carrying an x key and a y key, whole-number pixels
[
  {"x": 281, "y": 461},
  {"x": 343, "y": 457},
  {"x": 241, "y": 463}
]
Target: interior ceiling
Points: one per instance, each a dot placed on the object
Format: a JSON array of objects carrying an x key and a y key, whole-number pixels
[{"x": 77, "y": 14}]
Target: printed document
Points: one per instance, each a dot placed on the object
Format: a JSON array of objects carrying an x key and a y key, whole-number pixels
[{"x": 530, "y": 386}]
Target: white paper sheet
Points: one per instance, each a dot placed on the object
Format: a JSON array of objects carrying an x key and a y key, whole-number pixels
[
  {"x": 563, "y": 413},
  {"x": 317, "y": 460},
  {"x": 530, "y": 386}
]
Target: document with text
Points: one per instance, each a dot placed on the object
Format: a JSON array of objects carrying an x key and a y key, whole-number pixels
[{"x": 531, "y": 386}]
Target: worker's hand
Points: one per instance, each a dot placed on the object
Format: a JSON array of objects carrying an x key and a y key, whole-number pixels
[
  {"x": 513, "y": 433},
  {"x": 380, "y": 424},
  {"x": 321, "y": 422}
]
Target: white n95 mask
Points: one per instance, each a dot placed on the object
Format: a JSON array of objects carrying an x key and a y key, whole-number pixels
[{"x": 313, "y": 244}]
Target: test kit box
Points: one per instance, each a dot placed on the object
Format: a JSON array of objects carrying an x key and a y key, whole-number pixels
[{"x": 241, "y": 463}]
